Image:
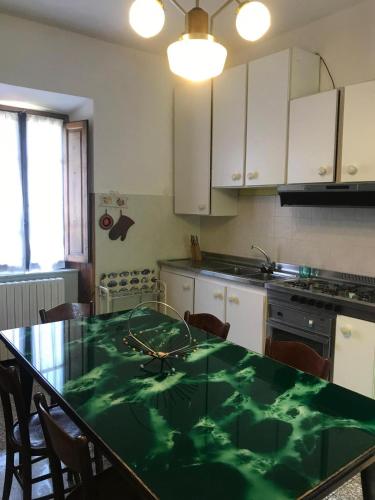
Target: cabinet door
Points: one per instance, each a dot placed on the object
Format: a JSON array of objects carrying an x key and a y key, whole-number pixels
[
  {"x": 228, "y": 127},
  {"x": 312, "y": 138},
  {"x": 209, "y": 298},
  {"x": 192, "y": 140},
  {"x": 354, "y": 364},
  {"x": 358, "y": 147},
  {"x": 267, "y": 119},
  {"x": 179, "y": 291},
  {"x": 246, "y": 313}
]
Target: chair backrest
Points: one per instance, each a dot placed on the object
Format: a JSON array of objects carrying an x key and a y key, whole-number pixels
[
  {"x": 298, "y": 355},
  {"x": 72, "y": 451},
  {"x": 11, "y": 391},
  {"x": 209, "y": 323},
  {"x": 67, "y": 311}
]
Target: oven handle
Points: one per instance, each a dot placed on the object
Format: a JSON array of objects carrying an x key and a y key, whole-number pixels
[{"x": 298, "y": 332}]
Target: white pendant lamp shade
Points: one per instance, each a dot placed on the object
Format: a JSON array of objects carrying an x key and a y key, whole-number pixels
[
  {"x": 196, "y": 59},
  {"x": 147, "y": 17},
  {"x": 253, "y": 20}
]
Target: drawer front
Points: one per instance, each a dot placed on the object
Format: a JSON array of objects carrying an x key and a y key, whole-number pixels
[{"x": 301, "y": 319}]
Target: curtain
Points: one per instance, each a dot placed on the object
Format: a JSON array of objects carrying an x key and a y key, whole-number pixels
[
  {"x": 45, "y": 190},
  {"x": 11, "y": 199}
]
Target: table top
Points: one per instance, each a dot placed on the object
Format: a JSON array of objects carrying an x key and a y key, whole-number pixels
[{"x": 227, "y": 423}]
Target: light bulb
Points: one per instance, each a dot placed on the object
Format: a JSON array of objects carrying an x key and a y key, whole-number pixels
[
  {"x": 253, "y": 20},
  {"x": 197, "y": 58},
  {"x": 147, "y": 17}
]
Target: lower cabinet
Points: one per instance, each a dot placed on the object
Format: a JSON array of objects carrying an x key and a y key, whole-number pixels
[
  {"x": 354, "y": 363},
  {"x": 246, "y": 313},
  {"x": 179, "y": 291},
  {"x": 209, "y": 297},
  {"x": 243, "y": 307}
]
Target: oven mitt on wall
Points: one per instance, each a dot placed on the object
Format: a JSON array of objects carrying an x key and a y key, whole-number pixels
[{"x": 121, "y": 228}]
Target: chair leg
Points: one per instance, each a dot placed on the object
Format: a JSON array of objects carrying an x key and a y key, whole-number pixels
[
  {"x": 25, "y": 462},
  {"x": 98, "y": 459},
  {"x": 8, "y": 479}
]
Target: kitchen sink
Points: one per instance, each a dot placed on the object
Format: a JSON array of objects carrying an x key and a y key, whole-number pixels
[{"x": 241, "y": 271}]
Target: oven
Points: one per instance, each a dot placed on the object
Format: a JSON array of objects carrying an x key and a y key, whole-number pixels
[{"x": 306, "y": 323}]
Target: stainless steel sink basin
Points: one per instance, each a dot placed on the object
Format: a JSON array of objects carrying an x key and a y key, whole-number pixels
[{"x": 241, "y": 271}]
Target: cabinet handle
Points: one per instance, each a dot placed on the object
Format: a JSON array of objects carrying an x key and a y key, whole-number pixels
[
  {"x": 352, "y": 169},
  {"x": 346, "y": 331},
  {"x": 252, "y": 175},
  {"x": 236, "y": 177},
  {"x": 218, "y": 295},
  {"x": 186, "y": 287},
  {"x": 233, "y": 299},
  {"x": 201, "y": 207},
  {"x": 323, "y": 171}
]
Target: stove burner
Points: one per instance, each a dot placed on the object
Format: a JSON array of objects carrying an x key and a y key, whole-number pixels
[{"x": 335, "y": 289}]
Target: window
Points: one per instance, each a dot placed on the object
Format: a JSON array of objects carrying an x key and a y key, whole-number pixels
[{"x": 31, "y": 192}]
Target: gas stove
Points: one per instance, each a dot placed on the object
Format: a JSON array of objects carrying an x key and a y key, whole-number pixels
[{"x": 345, "y": 290}]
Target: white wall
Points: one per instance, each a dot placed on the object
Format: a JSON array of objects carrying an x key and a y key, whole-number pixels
[
  {"x": 131, "y": 90},
  {"x": 341, "y": 239},
  {"x": 131, "y": 117},
  {"x": 346, "y": 40}
]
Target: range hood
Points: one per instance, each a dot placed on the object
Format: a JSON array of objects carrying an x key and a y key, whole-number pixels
[{"x": 328, "y": 195}]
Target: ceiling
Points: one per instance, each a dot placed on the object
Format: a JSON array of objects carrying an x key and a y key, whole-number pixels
[{"x": 108, "y": 19}]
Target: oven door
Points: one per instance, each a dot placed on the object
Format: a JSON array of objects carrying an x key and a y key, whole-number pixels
[{"x": 320, "y": 343}]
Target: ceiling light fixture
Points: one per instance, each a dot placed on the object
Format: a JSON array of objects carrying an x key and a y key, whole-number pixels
[{"x": 196, "y": 55}]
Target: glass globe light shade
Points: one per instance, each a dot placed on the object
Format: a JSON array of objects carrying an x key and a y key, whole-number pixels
[
  {"x": 253, "y": 20},
  {"x": 147, "y": 17},
  {"x": 196, "y": 57}
]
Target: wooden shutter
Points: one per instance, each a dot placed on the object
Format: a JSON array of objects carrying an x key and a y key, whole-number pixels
[
  {"x": 76, "y": 193},
  {"x": 77, "y": 209}
]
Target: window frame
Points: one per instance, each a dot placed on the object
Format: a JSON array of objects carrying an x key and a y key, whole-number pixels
[{"x": 22, "y": 115}]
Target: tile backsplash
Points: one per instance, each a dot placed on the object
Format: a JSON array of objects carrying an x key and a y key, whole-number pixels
[{"x": 339, "y": 239}]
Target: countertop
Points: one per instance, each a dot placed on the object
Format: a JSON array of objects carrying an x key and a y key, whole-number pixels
[{"x": 217, "y": 266}]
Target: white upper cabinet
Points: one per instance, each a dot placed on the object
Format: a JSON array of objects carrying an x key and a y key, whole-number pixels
[
  {"x": 228, "y": 128},
  {"x": 272, "y": 81},
  {"x": 192, "y": 155},
  {"x": 313, "y": 138},
  {"x": 358, "y": 133},
  {"x": 192, "y": 140}
]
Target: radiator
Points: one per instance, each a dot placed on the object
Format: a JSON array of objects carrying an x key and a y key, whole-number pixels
[{"x": 20, "y": 302}]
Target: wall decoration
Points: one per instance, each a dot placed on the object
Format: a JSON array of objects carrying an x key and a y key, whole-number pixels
[
  {"x": 106, "y": 221},
  {"x": 113, "y": 200},
  {"x": 121, "y": 228}
]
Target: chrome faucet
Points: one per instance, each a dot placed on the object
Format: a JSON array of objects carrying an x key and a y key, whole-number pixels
[{"x": 268, "y": 266}]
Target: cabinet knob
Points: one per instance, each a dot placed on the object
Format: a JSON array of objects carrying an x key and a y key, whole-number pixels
[
  {"x": 346, "y": 331},
  {"x": 252, "y": 175},
  {"x": 233, "y": 299},
  {"x": 218, "y": 295},
  {"x": 236, "y": 177},
  {"x": 186, "y": 287},
  {"x": 352, "y": 169},
  {"x": 201, "y": 207},
  {"x": 323, "y": 171}
]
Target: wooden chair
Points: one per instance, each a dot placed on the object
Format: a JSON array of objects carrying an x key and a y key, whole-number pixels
[
  {"x": 24, "y": 434},
  {"x": 209, "y": 323},
  {"x": 298, "y": 355},
  {"x": 66, "y": 311},
  {"x": 73, "y": 451}
]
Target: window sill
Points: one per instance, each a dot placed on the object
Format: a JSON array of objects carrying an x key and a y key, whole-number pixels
[{"x": 34, "y": 275}]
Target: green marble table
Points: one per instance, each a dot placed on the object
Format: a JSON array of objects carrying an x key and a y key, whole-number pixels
[{"x": 227, "y": 424}]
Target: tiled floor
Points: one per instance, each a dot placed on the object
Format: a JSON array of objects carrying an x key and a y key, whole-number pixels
[{"x": 350, "y": 491}]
